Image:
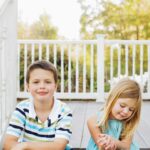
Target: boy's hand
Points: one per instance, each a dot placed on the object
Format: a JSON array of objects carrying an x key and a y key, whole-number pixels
[
  {"x": 107, "y": 142},
  {"x": 19, "y": 146}
]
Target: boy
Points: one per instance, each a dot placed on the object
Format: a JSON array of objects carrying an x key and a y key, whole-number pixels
[{"x": 43, "y": 122}]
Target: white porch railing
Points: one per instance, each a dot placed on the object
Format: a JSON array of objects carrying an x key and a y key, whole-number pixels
[
  {"x": 8, "y": 61},
  {"x": 71, "y": 60},
  {"x": 82, "y": 64}
]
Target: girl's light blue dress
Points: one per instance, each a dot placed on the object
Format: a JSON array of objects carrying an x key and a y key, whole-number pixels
[{"x": 114, "y": 129}]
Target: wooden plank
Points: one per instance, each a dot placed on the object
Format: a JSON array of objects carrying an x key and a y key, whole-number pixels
[
  {"x": 78, "y": 124},
  {"x": 82, "y": 110}
]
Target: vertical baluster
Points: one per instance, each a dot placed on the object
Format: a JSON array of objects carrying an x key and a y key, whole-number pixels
[
  {"x": 47, "y": 52},
  {"x": 141, "y": 65},
  {"x": 148, "y": 69},
  {"x": 111, "y": 66},
  {"x": 32, "y": 53},
  {"x": 18, "y": 69},
  {"x": 133, "y": 62},
  {"x": 62, "y": 68},
  {"x": 119, "y": 61},
  {"x": 77, "y": 68},
  {"x": 126, "y": 59},
  {"x": 55, "y": 55},
  {"x": 84, "y": 68},
  {"x": 40, "y": 51},
  {"x": 69, "y": 69},
  {"x": 92, "y": 69},
  {"x": 25, "y": 66}
]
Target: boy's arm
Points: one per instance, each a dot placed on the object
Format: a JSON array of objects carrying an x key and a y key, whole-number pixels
[
  {"x": 58, "y": 144},
  {"x": 9, "y": 142}
]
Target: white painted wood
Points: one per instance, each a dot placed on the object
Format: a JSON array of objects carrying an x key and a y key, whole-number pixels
[
  {"x": 8, "y": 62},
  {"x": 133, "y": 63},
  {"x": 100, "y": 68},
  {"x": 18, "y": 68},
  {"x": 141, "y": 65},
  {"x": 119, "y": 61},
  {"x": 40, "y": 51},
  {"x": 62, "y": 69},
  {"x": 33, "y": 53},
  {"x": 77, "y": 68},
  {"x": 84, "y": 68},
  {"x": 148, "y": 90},
  {"x": 69, "y": 69},
  {"x": 55, "y": 56},
  {"x": 47, "y": 52},
  {"x": 126, "y": 59},
  {"x": 92, "y": 69},
  {"x": 77, "y": 48},
  {"x": 25, "y": 65}
]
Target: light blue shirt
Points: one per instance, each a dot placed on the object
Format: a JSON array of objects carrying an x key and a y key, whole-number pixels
[{"x": 114, "y": 130}]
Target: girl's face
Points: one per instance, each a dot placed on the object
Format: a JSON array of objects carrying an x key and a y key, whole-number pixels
[
  {"x": 42, "y": 85},
  {"x": 123, "y": 108}
]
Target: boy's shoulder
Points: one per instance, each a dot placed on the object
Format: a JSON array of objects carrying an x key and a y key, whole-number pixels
[
  {"x": 24, "y": 104},
  {"x": 62, "y": 106}
]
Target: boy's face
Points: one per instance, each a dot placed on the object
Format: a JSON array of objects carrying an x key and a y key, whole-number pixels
[{"x": 42, "y": 85}]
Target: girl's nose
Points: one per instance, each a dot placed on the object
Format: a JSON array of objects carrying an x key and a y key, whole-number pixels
[{"x": 126, "y": 110}]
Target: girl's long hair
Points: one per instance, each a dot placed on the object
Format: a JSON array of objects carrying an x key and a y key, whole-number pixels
[{"x": 125, "y": 88}]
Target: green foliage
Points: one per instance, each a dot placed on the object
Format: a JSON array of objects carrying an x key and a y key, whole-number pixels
[
  {"x": 40, "y": 29},
  {"x": 128, "y": 20}
]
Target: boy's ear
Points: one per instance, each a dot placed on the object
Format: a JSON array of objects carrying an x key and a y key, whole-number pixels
[{"x": 27, "y": 87}]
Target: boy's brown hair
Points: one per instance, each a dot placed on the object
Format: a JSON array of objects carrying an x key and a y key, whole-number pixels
[{"x": 42, "y": 64}]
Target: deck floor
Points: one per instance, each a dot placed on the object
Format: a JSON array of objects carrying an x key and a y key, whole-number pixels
[{"x": 84, "y": 109}]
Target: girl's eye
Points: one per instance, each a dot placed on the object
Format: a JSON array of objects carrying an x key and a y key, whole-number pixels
[
  {"x": 122, "y": 105},
  {"x": 131, "y": 109}
]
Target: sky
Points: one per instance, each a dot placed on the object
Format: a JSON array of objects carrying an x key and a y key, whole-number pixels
[{"x": 65, "y": 14}]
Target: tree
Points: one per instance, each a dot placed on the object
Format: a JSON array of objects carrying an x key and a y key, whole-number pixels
[{"x": 127, "y": 20}]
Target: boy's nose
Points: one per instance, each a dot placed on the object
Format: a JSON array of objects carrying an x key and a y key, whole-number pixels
[{"x": 42, "y": 85}]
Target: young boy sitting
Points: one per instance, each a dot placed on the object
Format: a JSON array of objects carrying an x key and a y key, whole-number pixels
[{"x": 40, "y": 123}]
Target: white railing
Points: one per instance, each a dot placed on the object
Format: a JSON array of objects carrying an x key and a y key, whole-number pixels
[
  {"x": 82, "y": 67},
  {"x": 8, "y": 61},
  {"x": 71, "y": 60}
]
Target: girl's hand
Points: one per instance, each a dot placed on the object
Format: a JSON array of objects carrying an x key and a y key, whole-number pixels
[
  {"x": 106, "y": 142},
  {"x": 19, "y": 146}
]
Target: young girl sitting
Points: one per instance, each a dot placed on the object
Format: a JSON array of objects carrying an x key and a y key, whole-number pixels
[{"x": 113, "y": 127}]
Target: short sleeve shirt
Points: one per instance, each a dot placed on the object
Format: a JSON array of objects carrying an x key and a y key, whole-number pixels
[{"x": 25, "y": 124}]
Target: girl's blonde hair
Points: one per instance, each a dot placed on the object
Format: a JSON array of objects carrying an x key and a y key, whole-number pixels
[{"x": 125, "y": 88}]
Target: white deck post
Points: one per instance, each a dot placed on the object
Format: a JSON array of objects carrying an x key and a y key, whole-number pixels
[
  {"x": 100, "y": 68},
  {"x": 8, "y": 62}
]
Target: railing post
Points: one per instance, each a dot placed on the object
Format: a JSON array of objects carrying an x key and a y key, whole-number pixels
[
  {"x": 100, "y": 68},
  {"x": 8, "y": 62}
]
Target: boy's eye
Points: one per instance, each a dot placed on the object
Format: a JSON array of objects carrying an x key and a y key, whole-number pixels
[
  {"x": 35, "y": 82},
  {"x": 48, "y": 82}
]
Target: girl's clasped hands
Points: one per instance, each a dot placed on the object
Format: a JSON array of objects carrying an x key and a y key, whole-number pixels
[{"x": 106, "y": 142}]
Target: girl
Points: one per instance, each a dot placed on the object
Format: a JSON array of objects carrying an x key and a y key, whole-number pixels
[{"x": 114, "y": 126}]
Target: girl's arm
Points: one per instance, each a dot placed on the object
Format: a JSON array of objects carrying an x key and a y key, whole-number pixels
[
  {"x": 103, "y": 140},
  {"x": 94, "y": 130}
]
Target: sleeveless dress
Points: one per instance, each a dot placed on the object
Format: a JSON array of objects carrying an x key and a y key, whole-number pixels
[{"x": 114, "y": 130}]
